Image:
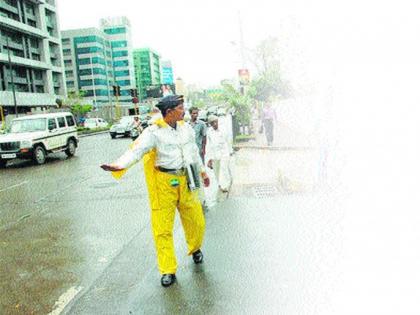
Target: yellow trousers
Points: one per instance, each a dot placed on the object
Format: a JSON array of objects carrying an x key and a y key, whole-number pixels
[{"x": 166, "y": 200}]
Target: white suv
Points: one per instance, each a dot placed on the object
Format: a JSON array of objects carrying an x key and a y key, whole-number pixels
[{"x": 34, "y": 136}]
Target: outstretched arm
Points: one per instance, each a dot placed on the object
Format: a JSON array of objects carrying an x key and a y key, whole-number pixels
[{"x": 144, "y": 143}]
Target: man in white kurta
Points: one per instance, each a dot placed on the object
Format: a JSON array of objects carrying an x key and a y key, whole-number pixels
[{"x": 219, "y": 150}]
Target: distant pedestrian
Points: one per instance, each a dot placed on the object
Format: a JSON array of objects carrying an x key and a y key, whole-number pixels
[
  {"x": 200, "y": 129},
  {"x": 269, "y": 117},
  {"x": 218, "y": 155}
]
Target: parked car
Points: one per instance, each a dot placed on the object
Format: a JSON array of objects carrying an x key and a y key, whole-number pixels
[
  {"x": 93, "y": 123},
  {"x": 35, "y": 136}
]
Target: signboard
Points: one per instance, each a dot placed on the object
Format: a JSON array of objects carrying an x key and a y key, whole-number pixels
[
  {"x": 243, "y": 76},
  {"x": 157, "y": 91}
]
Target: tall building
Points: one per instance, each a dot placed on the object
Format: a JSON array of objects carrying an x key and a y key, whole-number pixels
[
  {"x": 147, "y": 69},
  {"x": 88, "y": 64},
  {"x": 30, "y": 33},
  {"x": 96, "y": 59},
  {"x": 167, "y": 72},
  {"x": 118, "y": 30}
]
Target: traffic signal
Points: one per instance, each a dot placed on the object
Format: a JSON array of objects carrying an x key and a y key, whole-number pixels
[
  {"x": 133, "y": 93},
  {"x": 116, "y": 90}
]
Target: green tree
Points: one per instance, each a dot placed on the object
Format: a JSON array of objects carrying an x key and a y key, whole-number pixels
[
  {"x": 232, "y": 98},
  {"x": 268, "y": 81},
  {"x": 77, "y": 104}
]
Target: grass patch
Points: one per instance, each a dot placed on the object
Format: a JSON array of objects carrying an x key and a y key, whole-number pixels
[
  {"x": 84, "y": 131},
  {"x": 244, "y": 138}
]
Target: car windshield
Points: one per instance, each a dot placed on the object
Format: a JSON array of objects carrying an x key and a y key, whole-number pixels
[
  {"x": 28, "y": 125},
  {"x": 90, "y": 121},
  {"x": 126, "y": 120}
]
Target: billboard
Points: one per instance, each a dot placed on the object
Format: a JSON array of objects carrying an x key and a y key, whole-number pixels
[
  {"x": 157, "y": 91},
  {"x": 243, "y": 76}
]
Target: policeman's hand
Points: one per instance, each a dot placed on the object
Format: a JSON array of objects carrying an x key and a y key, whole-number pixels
[
  {"x": 111, "y": 167},
  {"x": 210, "y": 164},
  {"x": 206, "y": 179}
]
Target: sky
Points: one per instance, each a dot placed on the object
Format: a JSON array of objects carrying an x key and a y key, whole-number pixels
[{"x": 199, "y": 37}]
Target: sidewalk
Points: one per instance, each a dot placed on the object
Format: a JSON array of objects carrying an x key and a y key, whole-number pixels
[
  {"x": 294, "y": 163},
  {"x": 272, "y": 247},
  {"x": 264, "y": 254}
]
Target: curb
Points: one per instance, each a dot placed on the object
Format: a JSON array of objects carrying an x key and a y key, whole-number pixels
[
  {"x": 271, "y": 148},
  {"x": 92, "y": 134}
]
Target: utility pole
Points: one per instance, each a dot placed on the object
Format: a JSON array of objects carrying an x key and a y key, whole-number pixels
[
  {"x": 241, "y": 41},
  {"x": 93, "y": 81},
  {"x": 12, "y": 76}
]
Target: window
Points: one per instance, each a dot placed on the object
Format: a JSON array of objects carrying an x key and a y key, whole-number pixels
[
  {"x": 70, "y": 84},
  {"x": 67, "y": 62},
  {"x": 116, "y": 30},
  {"x": 121, "y": 63},
  {"x": 66, "y": 52},
  {"x": 122, "y": 53},
  {"x": 70, "y": 121},
  {"x": 61, "y": 122},
  {"x": 86, "y": 61},
  {"x": 86, "y": 82},
  {"x": 65, "y": 41},
  {"x": 69, "y": 73},
  {"x": 89, "y": 71},
  {"x": 31, "y": 23},
  {"x": 85, "y": 39},
  {"x": 86, "y": 50},
  {"x": 122, "y": 73},
  {"x": 118, "y": 44},
  {"x": 123, "y": 82},
  {"x": 52, "y": 124}
]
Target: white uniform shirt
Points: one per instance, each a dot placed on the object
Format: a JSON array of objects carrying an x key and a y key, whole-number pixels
[
  {"x": 218, "y": 145},
  {"x": 175, "y": 148}
]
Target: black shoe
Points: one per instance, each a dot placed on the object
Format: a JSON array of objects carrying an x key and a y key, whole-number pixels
[
  {"x": 198, "y": 257},
  {"x": 167, "y": 279}
]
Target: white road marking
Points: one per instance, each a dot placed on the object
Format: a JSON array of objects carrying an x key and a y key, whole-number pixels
[
  {"x": 64, "y": 300},
  {"x": 14, "y": 186}
]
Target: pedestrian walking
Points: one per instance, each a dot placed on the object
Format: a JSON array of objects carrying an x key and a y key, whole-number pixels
[
  {"x": 269, "y": 117},
  {"x": 219, "y": 151},
  {"x": 169, "y": 151},
  {"x": 200, "y": 129}
]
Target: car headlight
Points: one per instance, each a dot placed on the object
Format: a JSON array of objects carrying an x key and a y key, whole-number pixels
[{"x": 25, "y": 144}]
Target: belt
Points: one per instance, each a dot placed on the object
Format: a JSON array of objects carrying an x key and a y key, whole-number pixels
[{"x": 179, "y": 172}]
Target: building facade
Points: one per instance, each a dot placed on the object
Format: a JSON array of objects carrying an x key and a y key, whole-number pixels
[
  {"x": 167, "y": 72},
  {"x": 97, "y": 59},
  {"x": 118, "y": 30},
  {"x": 147, "y": 70},
  {"x": 30, "y": 34},
  {"x": 88, "y": 64}
]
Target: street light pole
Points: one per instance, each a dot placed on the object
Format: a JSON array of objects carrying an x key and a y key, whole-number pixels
[
  {"x": 12, "y": 76},
  {"x": 93, "y": 80}
]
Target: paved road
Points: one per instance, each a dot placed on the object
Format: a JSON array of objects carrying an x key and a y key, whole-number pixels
[
  {"x": 71, "y": 238},
  {"x": 62, "y": 223}
]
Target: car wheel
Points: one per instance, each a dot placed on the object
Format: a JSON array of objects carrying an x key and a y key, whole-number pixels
[
  {"x": 39, "y": 155},
  {"x": 71, "y": 148},
  {"x": 113, "y": 135},
  {"x": 3, "y": 163}
]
